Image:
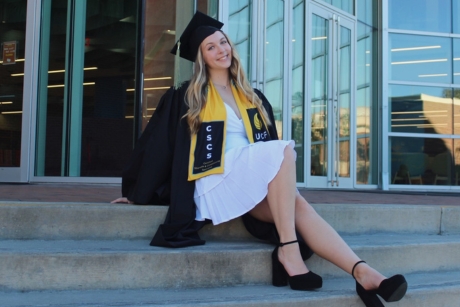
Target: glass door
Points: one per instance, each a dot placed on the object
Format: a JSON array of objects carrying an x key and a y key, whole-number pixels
[
  {"x": 14, "y": 85},
  {"x": 330, "y": 98},
  {"x": 86, "y": 89}
]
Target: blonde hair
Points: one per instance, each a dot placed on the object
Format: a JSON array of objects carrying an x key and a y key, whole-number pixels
[{"x": 196, "y": 94}]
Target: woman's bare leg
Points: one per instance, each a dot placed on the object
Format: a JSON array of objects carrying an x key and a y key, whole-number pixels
[
  {"x": 289, "y": 211},
  {"x": 279, "y": 208}
]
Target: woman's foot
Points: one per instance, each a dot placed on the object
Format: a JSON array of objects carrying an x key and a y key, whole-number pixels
[
  {"x": 367, "y": 277},
  {"x": 289, "y": 256},
  {"x": 370, "y": 283},
  {"x": 298, "y": 276}
]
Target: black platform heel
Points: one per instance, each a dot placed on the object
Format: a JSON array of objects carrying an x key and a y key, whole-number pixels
[
  {"x": 391, "y": 290},
  {"x": 280, "y": 278}
]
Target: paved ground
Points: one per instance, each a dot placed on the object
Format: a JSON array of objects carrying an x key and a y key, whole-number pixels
[{"x": 105, "y": 193}]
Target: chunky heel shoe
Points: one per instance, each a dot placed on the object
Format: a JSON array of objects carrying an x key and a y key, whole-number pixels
[
  {"x": 369, "y": 298},
  {"x": 391, "y": 290},
  {"x": 280, "y": 278},
  {"x": 279, "y": 275}
]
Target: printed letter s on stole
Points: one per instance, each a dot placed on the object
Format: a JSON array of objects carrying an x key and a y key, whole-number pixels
[{"x": 209, "y": 146}]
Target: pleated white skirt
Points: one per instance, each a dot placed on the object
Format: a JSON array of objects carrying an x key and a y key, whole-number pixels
[{"x": 244, "y": 183}]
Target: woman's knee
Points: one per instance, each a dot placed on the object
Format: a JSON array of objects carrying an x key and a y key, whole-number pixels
[{"x": 290, "y": 154}]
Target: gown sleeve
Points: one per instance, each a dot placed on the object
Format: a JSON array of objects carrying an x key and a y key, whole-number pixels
[
  {"x": 145, "y": 178},
  {"x": 158, "y": 169}
]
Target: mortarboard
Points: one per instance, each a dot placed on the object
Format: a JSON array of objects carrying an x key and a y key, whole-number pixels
[{"x": 199, "y": 27}]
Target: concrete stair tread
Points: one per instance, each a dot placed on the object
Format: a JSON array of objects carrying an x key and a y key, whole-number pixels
[
  {"x": 425, "y": 289},
  {"x": 135, "y": 246},
  {"x": 67, "y": 264},
  {"x": 103, "y": 221}
]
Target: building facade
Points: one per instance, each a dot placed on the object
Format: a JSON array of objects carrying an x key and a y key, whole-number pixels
[{"x": 368, "y": 89}]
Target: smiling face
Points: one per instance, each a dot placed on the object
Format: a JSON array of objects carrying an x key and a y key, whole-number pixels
[{"x": 216, "y": 51}]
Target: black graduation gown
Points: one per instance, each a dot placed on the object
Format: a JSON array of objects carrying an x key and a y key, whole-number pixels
[{"x": 158, "y": 169}]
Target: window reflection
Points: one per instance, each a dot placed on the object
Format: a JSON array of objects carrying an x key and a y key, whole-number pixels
[
  {"x": 456, "y": 57},
  {"x": 365, "y": 11},
  {"x": 274, "y": 59},
  {"x": 319, "y": 64},
  {"x": 298, "y": 85},
  {"x": 419, "y": 109},
  {"x": 420, "y": 58},
  {"x": 73, "y": 117},
  {"x": 456, "y": 99},
  {"x": 239, "y": 30},
  {"x": 421, "y": 15},
  {"x": 366, "y": 151},
  {"x": 456, "y": 16},
  {"x": 345, "y": 101},
  {"x": 346, "y": 5},
  {"x": 427, "y": 161},
  {"x": 160, "y": 33},
  {"x": 12, "y": 44},
  {"x": 456, "y": 171},
  {"x": 162, "y": 29}
]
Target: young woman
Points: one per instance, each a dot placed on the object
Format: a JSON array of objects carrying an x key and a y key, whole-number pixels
[{"x": 211, "y": 152}]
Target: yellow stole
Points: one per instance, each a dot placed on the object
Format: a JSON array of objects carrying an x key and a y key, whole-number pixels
[{"x": 207, "y": 148}]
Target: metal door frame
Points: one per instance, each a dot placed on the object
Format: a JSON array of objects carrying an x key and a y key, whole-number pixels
[
  {"x": 336, "y": 20},
  {"x": 21, "y": 173}
]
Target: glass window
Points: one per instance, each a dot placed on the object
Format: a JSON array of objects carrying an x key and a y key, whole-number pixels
[
  {"x": 418, "y": 109},
  {"x": 456, "y": 16},
  {"x": 239, "y": 31},
  {"x": 319, "y": 92},
  {"x": 274, "y": 61},
  {"x": 420, "y": 58},
  {"x": 456, "y": 56},
  {"x": 456, "y": 153},
  {"x": 161, "y": 31},
  {"x": 345, "y": 5},
  {"x": 421, "y": 15},
  {"x": 51, "y": 88},
  {"x": 426, "y": 161},
  {"x": 86, "y": 95},
  {"x": 12, "y": 44},
  {"x": 366, "y": 11},
  {"x": 456, "y": 98},
  {"x": 298, "y": 43},
  {"x": 366, "y": 106}
]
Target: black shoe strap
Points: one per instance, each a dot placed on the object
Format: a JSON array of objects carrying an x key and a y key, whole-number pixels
[
  {"x": 290, "y": 242},
  {"x": 353, "y": 270}
]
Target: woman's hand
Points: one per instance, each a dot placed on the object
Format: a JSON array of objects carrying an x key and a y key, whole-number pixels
[{"x": 122, "y": 200}]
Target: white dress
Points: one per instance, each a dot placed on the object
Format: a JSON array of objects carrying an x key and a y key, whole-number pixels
[{"x": 248, "y": 169}]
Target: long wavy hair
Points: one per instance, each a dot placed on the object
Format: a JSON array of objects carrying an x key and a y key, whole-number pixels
[{"x": 196, "y": 93}]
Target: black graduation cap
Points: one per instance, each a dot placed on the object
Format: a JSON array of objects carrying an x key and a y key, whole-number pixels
[{"x": 200, "y": 27}]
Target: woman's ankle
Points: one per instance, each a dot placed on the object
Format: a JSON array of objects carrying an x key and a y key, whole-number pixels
[
  {"x": 291, "y": 259},
  {"x": 368, "y": 277}
]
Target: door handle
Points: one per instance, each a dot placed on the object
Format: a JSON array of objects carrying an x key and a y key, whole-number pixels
[{"x": 337, "y": 162}]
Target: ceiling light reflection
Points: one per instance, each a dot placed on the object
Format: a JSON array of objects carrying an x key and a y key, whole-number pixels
[
  {"x": 159, "y": 78},
  {"x": 150, "y": 88},
  {"x": 415, "y": 48},
  {"x": 418, "y": 62},
  {"x": 55, "y": 71},
  {"x": 433, "y": 75},
  {"x": 12, "y": 112}
]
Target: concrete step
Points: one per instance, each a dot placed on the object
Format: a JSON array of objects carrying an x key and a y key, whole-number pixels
[
  {"x": 440, "y": 289},
  {"x": 83, "y": 221},
  {"x": 132, "y": 264}
]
